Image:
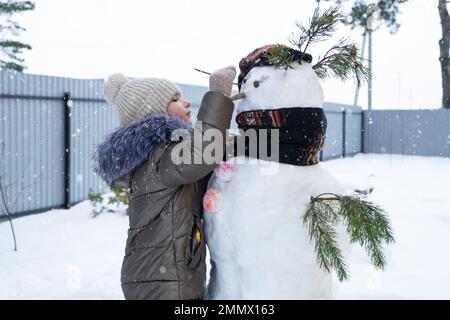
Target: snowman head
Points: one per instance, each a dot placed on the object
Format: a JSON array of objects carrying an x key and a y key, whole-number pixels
[
  {"x": 282, "y": 93},
  {"x": 267, "y": 86}
]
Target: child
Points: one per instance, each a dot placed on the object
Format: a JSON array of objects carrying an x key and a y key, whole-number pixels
[{"x": 165, "y": 250}]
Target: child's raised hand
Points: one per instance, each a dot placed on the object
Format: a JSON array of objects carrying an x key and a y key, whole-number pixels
[{"x": 222, "y": 80}]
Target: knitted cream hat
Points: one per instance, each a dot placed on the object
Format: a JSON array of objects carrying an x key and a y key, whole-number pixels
[{"x": 134, "y": 99}]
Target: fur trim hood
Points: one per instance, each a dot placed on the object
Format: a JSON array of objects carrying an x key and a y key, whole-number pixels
[{"x": 128, "y": 147}]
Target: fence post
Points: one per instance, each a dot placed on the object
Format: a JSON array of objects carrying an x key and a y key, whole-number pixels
[
  {"x": 67, "y": 114},
  {"x": 363, "y": 131},
  {"x": 344, "y": 138}
]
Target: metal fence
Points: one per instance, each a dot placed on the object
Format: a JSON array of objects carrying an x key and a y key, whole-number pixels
[
  {"x": 343, "y": 131},
  {"x": 410, "y": 132},
  {"x": 49, "y": 126}
]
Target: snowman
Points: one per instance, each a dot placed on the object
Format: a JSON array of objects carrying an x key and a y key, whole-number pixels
[{"x": 259, "y": 247}]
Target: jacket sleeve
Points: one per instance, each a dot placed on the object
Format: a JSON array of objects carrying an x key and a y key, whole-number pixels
[{"x": 215, "y": 112}]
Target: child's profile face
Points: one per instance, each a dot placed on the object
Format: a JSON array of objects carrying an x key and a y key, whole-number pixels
[{"x": 180, "y": 109}]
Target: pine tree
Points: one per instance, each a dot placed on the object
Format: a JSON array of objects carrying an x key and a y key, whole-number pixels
[
  {"x": 444, "y": 47},
  {"x": 9, "y": 29},
  {"x": 360, "y": 12}
]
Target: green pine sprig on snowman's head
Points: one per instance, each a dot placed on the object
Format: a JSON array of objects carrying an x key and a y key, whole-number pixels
[
  {"x": 280, "y": 57},
  {"x": 340, "y": 61}
]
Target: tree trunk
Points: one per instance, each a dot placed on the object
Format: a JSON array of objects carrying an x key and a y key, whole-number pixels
[{"x": 444, "y": 53}]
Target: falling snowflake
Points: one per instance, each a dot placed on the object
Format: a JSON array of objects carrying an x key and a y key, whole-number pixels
[{"x": 162, "y": 269}]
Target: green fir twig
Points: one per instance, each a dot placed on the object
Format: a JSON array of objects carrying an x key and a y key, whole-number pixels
[
  {"x": 320, "y": 218},
  {"x": 366, "y": 223},
  {"x": 280, "y": 57},
  {"x": 342, "y": 61},
  {"x": 322, "y": 25}
]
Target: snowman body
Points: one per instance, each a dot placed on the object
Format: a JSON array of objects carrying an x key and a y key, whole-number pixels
[{"x": 258, "y": 244}]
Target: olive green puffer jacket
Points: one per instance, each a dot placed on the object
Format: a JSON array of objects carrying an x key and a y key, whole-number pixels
[{"x": 165, "y": 250}]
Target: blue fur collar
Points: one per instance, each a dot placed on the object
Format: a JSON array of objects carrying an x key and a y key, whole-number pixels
[{"x": 128, "y": 147}]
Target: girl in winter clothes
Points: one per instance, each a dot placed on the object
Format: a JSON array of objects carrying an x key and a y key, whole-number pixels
[{"x": 165, "y": 249}]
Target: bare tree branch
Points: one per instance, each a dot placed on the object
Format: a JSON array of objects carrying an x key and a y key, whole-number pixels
[{"x": 5, "y": 203}]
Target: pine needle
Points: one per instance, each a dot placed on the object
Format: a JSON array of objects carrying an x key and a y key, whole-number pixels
[
  {"x": 343, "y": 62},
  {"x": 322, "y": 25},
  {"x": 366, "y": 223},
  {"x": 280, "y": 57},
  {"x": 320, "y": 218}
]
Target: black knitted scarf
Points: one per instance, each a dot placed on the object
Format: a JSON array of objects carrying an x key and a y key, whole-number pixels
[{"x": 301, "y": 132}]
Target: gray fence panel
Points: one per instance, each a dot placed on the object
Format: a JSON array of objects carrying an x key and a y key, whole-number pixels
[
  {"x": 411, "y": 132},
  {"x": 333, "y": 143},
  {"x": 32, "y": 167},
  {"x": 353, "y": 131},
  {"x": 338, "y": 116},
  {"x": 90, "y": 122}
]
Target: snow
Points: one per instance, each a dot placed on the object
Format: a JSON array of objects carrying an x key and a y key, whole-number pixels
[
  {"x": 414, "y": 191},
  {"x": 247, "y": 237},
  {"x": 63, "y": 254},
  {"x": 298, "y": 86},
  {"x": 66, "y": 254}
]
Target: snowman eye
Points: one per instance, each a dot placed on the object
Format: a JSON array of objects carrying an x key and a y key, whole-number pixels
[{"x": 257, "y": 83}]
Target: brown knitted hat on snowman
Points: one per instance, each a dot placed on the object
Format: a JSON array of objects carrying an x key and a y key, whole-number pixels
[{"x": 134, "y": 99}]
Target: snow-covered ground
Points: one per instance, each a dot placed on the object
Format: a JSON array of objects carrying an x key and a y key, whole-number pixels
[{"x": 66, "y": 254}]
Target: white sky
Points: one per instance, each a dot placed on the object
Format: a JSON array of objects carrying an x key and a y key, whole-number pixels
[{"x": 94, "y": 38}]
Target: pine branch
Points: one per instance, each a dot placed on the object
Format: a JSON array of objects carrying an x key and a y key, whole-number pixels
[
  {"x": 13, "y": 27},
  {"x": 366, "y": 223},
  {"x": 320, "y": 218},
  {"x": 280, "y": 57},
  {"x": 7, "y": 65},
  {"x": 321, "y": 26},
  {"x": 11, "y": 7},
  {"x": 342, "y": 61},
  {"x": 11, "y": 49},
  {"x": 14, "y": 45}
]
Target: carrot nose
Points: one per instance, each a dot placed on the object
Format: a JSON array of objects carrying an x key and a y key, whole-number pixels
[{"x": 238, "y": 96}]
